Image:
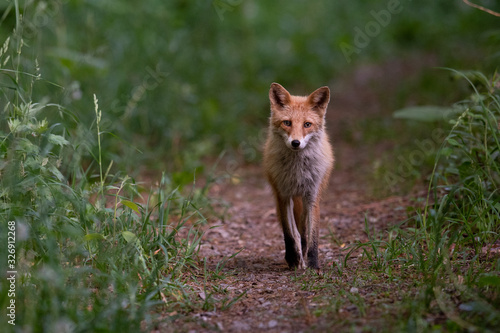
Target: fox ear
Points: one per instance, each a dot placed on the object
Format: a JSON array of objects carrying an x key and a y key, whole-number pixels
[
  {"x": 278, "y": 95},
  {"x": 320, "y": 98}
]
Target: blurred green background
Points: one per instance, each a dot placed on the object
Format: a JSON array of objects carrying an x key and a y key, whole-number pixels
[{"x": 181, "y": 80}]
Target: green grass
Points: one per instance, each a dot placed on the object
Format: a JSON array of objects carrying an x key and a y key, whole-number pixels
[{"x": 95, "y": 250}]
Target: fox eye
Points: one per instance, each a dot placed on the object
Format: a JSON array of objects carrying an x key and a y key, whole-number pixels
[
  {"x": 287, "y": 123},
  {"x": 307, "y": 124}
]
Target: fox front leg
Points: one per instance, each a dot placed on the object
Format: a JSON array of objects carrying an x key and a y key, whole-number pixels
[
  {"x": 308, "y": 228},
  {"x": 293, "y": 251}
]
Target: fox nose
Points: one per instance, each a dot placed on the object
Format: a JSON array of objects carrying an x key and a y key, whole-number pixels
[{"x": 295, "y": 143}]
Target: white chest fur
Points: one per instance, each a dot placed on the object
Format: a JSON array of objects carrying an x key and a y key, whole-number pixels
[{"x": 297, "y": 173}]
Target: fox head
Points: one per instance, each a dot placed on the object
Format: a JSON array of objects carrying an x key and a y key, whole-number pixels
[{"x": 298, "y": 119}]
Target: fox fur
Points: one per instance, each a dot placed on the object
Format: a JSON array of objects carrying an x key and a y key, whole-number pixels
[{"x": 298, "y": 160}]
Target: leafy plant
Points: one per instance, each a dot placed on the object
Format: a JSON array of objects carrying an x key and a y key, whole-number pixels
[
  {"x": 449, "y": 239},
  {"x": 94, "y": 251}
]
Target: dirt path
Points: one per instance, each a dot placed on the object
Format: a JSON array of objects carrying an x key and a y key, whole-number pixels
[{"x": 277, "y": 299}]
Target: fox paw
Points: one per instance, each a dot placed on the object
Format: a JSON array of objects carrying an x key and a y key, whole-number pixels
[{"x": 295, "y": 262}]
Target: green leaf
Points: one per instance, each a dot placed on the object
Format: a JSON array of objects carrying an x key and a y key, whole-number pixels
[
  {"x": 129, "y": 236},
  {"x": 446, "y": 151},
  {"x": 452, "y": 170},
  {"x": 131, "y": 205},
  {"x": 70, "y": 58},
  {"x": 489, "y": 280},
  {"x": 14, "y": 124},
  {"x": 454, "y": 142},
  {"x": 427, "y": 113},
  {"x": 27, "y": 147},
  {"x": 57, "y": 140},
  {"x": 56, "y": 173},
  {"x": 89, "y": 237}
]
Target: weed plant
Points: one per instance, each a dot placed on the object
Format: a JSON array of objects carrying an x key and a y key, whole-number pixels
[
  {"x": 451, "y": 243},
  {"x": 94, "y": 251}
]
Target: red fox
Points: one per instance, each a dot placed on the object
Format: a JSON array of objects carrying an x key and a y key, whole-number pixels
[{"x": 298, "y": 160}]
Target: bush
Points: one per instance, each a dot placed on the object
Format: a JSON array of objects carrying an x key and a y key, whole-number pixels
[{"x": 90, "y": 251}]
